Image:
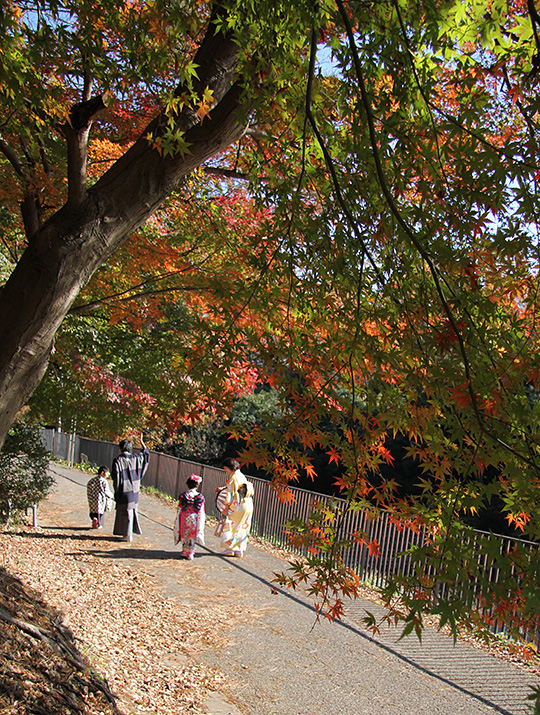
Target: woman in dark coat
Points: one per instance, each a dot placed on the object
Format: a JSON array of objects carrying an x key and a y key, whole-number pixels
[{"x": 127, "y": 471}]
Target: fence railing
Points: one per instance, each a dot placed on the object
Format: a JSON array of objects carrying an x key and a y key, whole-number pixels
[{"x": 168, "y": 475}]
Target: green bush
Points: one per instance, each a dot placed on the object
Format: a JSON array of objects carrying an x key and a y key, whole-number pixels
[{"x": 24, "y": 476}]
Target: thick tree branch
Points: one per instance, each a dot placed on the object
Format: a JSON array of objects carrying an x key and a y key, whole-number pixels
[
  {"x": 87, "y": 87},
  {"x": 30, "y": 216},
  {"x": 76, "y": 132},
  {"x": 229, "y": 173},
  {"x": 81, "y": 114},
  {"x": 535, "y": 22},
  {"x": 259, "y": 135},
  {"x": 77, "y": 145}
]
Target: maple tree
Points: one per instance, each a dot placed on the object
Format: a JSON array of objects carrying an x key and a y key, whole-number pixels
[
  {"x": 389, "y": 285},
  {"x": 57, "y": 54}
]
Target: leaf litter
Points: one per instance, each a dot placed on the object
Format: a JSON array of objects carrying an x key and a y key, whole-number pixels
[{"x": 139, "y": 646}]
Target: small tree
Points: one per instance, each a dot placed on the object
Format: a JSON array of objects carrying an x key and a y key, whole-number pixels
[{"x": 24, "y": 476}]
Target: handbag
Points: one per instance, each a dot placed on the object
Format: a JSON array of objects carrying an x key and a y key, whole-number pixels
[{"x": 224, "y": 529}]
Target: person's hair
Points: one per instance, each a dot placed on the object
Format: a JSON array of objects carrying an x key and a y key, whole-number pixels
[
  {"x": 103, "y": 470},
  {"x": 126, "y": 445},
  {"x": 191, "y": 483},
  {"x": 230, "y": 464}
]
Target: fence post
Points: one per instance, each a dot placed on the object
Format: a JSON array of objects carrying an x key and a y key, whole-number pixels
[{"x": 263, "y": 510}]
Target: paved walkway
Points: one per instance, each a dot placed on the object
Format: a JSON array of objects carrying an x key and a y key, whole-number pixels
[{"x": 279, "y": 660}]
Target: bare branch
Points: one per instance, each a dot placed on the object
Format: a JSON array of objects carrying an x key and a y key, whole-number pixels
[
  {"x": 258, "y": 134},
  {"x": 140, "y": 290},
  {"x": 11, "y": 155},
  {"x": 44, "y": 159},
  {"x": 229, "y": 173}
]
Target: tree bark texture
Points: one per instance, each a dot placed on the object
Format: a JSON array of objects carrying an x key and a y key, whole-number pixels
[{"x": 63, "y": 255}]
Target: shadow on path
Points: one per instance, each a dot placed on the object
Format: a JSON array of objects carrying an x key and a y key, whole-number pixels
[
  {"x": 144, "y": 554},
  {"x": 89, "y": 536}
]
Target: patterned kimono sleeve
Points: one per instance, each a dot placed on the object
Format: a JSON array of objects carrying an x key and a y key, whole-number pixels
[
  {"x": 176, "y": 528},
  {"x": 201, "y": 520},
  {"x": 232, "y": 495}
]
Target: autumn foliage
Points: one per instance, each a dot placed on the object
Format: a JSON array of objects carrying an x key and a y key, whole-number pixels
[{"x": 368, "y": 248}]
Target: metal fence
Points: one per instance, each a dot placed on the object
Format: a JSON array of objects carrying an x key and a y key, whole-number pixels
[{"x": 168, "y": 475}]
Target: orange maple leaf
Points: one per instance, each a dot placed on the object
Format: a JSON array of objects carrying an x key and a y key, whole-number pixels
[
  {"x": 341, "y": 483},
  {"x": 385, "y": 454},
  {"x": 334, "y": 611},
  {"x": 203, "y": 111},
  {"x": 285, "y": 495},
  {"x": 310, "y": 469},
  {"x": 519, "y": 520},
  {"x": 334, "y": 455}
]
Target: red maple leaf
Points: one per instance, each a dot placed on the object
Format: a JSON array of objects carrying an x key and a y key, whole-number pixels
[
  {"x": 334, "y": 455},
  {"x": 460, "y": 394}
]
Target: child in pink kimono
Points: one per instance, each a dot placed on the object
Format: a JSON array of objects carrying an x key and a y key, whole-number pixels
[{"x": 190, "y": 519}]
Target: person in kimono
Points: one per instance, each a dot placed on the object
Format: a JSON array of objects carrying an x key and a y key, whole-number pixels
[
  {"x": 238, "y": 510},
  {"x": 127, "y": 471},
  {"x": 100, "y": 497},
  {"x": 190, "y": 518}
]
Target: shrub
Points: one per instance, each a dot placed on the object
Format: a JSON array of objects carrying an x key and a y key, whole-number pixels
[{"x": 24, "y": 476}]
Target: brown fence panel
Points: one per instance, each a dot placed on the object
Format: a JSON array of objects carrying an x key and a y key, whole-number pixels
[
  {"x": 97, "y": 453},
  {"x": 60, "y": 444},
  {"x": 166, "y": 471}
]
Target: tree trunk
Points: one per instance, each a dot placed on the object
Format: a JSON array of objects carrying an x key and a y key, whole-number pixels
[{"x": 67, "y": 250}]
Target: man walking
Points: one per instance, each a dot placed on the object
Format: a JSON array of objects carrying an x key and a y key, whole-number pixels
[{"x": 127, "y": 471}]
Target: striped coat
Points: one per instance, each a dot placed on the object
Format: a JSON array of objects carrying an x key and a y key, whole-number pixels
[{"x": 127, "y": 472}]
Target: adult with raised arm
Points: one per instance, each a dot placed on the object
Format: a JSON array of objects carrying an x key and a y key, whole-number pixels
[{"x": 127, "y": 471}]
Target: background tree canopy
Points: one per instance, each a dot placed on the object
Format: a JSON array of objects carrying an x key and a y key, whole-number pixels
[{"x": 337, "y": 201}]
